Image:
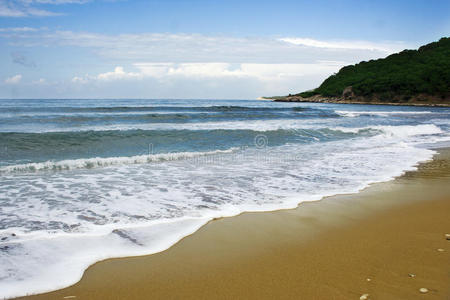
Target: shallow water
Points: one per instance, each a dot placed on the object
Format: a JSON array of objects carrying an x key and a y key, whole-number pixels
[{"x": 85, "y": 180}]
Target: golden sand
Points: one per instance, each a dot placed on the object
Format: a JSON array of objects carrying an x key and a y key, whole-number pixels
[{"x": 387, "y": 241}]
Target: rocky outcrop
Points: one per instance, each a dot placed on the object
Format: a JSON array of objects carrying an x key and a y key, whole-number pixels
[
  {"x": 349, "y": 97},
  {"x": 348, "y": 93}
]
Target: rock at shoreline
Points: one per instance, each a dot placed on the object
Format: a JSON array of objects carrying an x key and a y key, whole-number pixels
[{"x": 349, "y": 97}]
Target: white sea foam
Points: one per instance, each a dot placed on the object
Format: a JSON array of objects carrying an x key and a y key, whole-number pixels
[
  {"x": 97, "y": 162},
  {"x": 351, "y": 113},
  {"x": 398, "y": 131},
  {"x": 256, "y": 125},
  {"x": 61, "y": 260}
]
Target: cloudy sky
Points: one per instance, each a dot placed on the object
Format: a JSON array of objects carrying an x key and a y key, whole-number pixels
[{"x": 197, "y": 48}]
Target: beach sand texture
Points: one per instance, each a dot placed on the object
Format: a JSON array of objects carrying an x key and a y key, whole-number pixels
[{"x": 387, "y": 241}]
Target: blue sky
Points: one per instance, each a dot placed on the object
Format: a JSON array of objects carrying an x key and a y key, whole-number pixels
[{"x": 197, "y": 48}]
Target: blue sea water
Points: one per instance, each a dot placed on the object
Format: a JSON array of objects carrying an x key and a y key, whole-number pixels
[{"x": 85, "y": 180}]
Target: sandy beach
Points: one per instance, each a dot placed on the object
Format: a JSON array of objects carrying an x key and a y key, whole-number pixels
[{"x": 387, "y": 241}]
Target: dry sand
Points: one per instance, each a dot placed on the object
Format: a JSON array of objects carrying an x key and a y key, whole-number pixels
[{"x": 339, "y": 248}]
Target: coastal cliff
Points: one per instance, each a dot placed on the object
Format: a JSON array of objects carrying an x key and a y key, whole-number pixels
[{"x": 411, "y": 77}]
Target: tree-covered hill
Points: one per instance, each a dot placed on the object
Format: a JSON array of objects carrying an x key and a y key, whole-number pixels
[{"x": 400, "y": 76}]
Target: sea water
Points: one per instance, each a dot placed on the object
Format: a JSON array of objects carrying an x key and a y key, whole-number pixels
[{"x": 86, "y": 180}]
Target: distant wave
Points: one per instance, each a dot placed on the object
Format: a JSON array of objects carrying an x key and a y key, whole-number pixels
[
  {"x": 218, "y": 108},
  {"x": 348, "y": 113},
  {"x": 150, "y": 117}
]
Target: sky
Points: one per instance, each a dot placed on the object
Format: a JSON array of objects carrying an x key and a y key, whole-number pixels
[{"x": 197, "y": 48}]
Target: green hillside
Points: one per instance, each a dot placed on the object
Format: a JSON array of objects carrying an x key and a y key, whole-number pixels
[{"x": 408, "y": 73}]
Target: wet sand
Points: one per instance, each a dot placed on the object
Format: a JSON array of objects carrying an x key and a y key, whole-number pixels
[{"x": 383, "y": 242}]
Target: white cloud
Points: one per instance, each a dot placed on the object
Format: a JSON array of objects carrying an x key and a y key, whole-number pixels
[
  {"x": 350, "y": 45},
  {"x": 198, "y": 70},
  {"x": 81, "y": 80},
  {"x": 18, "y": 29},
  {"x": 193, "y": 71},
  {"x": 283, "y": 71},
  {"x": 41, "y": 81},
  {"x": 14, "y": 79},
  {"x": 36, "y": 12},
  {"x": 11, "y": 9},
  {"x": 196, "y": 48},
  {"x": 118, "y": 73},
  {"x": 215, "y": 70},
  {"x": 27, "y": 8}
]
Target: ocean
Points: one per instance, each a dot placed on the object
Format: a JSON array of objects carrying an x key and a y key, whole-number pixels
[{"x": 86, "y": 180}]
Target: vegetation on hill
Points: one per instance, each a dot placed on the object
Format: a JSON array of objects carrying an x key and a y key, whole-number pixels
[{"x": 408, "y": 73}]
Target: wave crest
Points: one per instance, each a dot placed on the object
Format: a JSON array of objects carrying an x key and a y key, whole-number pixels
[{"x": 96, "y": 162}]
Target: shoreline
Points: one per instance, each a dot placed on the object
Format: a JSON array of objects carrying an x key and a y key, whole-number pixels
[
  {"x": 215, "y": 251},
  {"x": 320, "y": 99},
  {"x": 348, "y": 97},
  {"x": 365, "y": 103}
]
